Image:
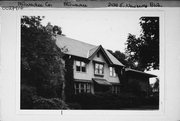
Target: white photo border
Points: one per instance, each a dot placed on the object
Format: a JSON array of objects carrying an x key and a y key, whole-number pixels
[{"x": 117, "y": 113}]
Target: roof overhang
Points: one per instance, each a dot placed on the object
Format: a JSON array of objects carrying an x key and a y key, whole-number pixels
[
  {"x": 102, "y": 81},
  {"x": 136, "y": 72},
  {"x": 100, "y": 48},
  {"x": 83, "y": 80}
]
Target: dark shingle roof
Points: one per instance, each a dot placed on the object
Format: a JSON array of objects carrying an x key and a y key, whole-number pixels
[{"x": 82, "y": 49}]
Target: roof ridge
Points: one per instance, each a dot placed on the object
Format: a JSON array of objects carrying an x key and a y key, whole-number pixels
[
  {"x": 83, "y": 49},
  {"x": 77, "y": 40},
  {"x": 95, "y": 47}
]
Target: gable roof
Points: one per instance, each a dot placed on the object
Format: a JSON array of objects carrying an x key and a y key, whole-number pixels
[
  {"x": 82, "y": 49},
  {"x": 139, "y": 72},
  {"x": 93, "y": 50},
  {"x": 96, "y": 50}
]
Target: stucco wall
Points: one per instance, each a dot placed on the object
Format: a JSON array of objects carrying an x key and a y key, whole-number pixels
[{"x": 89, "y": 74}]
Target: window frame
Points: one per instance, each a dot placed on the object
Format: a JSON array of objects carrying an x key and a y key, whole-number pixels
[
  {"x": 115, "y": 89},
  {"x": 98, "y": 54},
  {"x": 112, "y": 73},
  {"x": 82, "y": 87},
  {"x": 81, "y": 66},
  {"x": 99, "y": 67}
]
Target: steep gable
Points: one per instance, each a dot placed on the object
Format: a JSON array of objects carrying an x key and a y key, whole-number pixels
[
  {"x": 84, "y": 50},
  {"x": 100, "y": 49}
]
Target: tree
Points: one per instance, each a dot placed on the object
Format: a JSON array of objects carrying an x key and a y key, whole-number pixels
[
  {"x": 42, "y": 66},
  {"x": 120, "y": 56},
  {"x": 143, "y": 51}
]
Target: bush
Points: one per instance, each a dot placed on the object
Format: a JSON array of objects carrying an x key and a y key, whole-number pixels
[
  {"x": 74, "y": 105},
  {"x": 27, "y": 93},
  {"x": 45, "y": 103},
  {"x": 107, "y": 101}
]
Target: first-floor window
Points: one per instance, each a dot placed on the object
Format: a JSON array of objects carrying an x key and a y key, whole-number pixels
[
  {"x": 82, "y": 87},
  {"x": 115, "y": 89}
]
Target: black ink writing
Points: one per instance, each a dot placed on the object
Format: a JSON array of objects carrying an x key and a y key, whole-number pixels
[
  {"x": 110, "y": 4},
  {"x": 131, "y": 5},
  {"x": 69, "y": 4},
  {"x": 11, "y": 8},
  {"x": 25, "y": 4},
  {"x": 47, "y": 4},
  {"x": 152, "y": 4}
]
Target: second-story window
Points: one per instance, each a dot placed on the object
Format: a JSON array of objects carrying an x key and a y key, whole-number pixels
[
  {"x": 80, "y": 66},
  {"x": 112, "y": 71},
  {"x": 99, "y": 69}
]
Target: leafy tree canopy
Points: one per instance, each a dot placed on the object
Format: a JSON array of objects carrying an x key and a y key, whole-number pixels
[
  {"x": 143, "y": 51},
  {"x": 41, "y": 60}
]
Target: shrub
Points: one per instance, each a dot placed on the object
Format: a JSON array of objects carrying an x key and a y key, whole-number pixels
[
  {"x": 27, "y": 93},
  {"x": 45, "y": 103},
  {"x": 74, "y": 105},
  {"x": 114, "y": 101},
  {"x": 107, "y": 101}
]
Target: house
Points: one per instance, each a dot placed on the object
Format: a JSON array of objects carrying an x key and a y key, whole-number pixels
[
  {"x": 95, "y": 68},
  {"x": 138, "y": 82}
]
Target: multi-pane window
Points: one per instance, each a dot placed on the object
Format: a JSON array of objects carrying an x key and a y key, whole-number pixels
[
  {"x": 99, "y": 69},
  {"x": 112, "y": 71},
  {"x": 115, "y": 89},
  {"x": 80, "y": 66},
  {"x": 82, "y": 87}
]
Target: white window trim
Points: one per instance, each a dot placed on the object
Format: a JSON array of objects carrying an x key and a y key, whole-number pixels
[
  {"x": 86, "y": 87},
  {"x": 80, "y": 67},
  {"x": 114, "y": 74},
  {"x": 98, "y": 69}
]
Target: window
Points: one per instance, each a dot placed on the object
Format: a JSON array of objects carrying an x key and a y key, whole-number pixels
[
  {"x": 98, "y": 54},
  {"x": 112, "y": 71},
  {"x": 115, "y": 89},
  {"x": 99, "y": 69},
  {"x": 80, "y": 66},
  {"x": 82, "y": 87}
]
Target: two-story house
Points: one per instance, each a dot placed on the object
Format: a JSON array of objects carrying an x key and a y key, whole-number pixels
[{"x": 93, "y": 66}]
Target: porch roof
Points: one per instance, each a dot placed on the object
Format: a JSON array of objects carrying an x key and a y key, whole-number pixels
[
  {"x": 102, "y": 81},
  {"x": 82, "y": 80},
  {"x": 139, "y": 72}
]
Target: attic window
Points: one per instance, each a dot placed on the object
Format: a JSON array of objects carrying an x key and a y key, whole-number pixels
[{"x": 98, "y": 54}]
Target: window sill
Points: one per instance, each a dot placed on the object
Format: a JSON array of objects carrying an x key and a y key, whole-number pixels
[
  {"x": 101, "y": 75},
  {"x": 81, "y": 72},
  {"x": 113, "y": 76}
]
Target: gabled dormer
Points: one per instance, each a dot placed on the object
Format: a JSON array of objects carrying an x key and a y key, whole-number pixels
[{"x": 97, "y": 52}]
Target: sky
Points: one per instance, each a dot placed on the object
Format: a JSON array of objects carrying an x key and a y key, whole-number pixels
[{"x": 108, "y": 28}]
